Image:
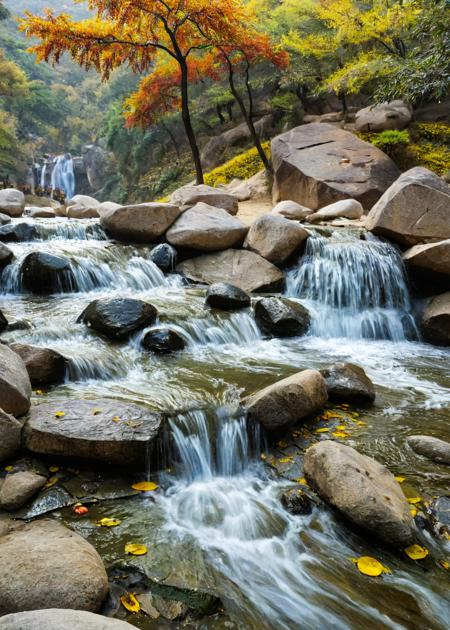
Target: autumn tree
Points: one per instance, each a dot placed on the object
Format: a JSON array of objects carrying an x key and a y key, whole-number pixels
[{"x": 140, "y": 33}]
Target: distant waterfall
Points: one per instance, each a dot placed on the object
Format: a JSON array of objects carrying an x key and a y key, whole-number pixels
[
  {"x": 63, "y": 177},
  {"x": 355, "y": 288}
]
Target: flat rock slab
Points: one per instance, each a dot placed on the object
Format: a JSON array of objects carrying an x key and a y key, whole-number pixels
[
  {"x": 244, "y": 269},
  {"x": 103, "y": 430},
  {"x": 45, "y": 565},
  {"x": 318, "y": 164},
  {"x": 57, "y": 619}
]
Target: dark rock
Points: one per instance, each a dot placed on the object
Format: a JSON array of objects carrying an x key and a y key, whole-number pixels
[
  {"x": 296, "y": 501},
  {"x": 164, "y": 256},
  {"x": 279, "y": 317},
  {"x": 226, "y": 297},
  {"x": 430, "y": 447},
  {"x": 44, "y": 366},
  {"x": 348, "y": 382},
  {"x": 102, "y": 430},
  {"x": 3, "y": 322},
  {"x": 18, "y": 233},
  {"x": 436, "y": 320},
  {"x": 6, "y": 255},
  {"x": 163, "y": 341},
  {"x": 44, "y": 273},
  {"x": 4, "y": 219},
  {"x": 118, "y": 318}
]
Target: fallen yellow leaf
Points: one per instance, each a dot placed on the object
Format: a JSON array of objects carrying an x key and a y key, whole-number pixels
[
  {"x": 444, "y": 564},
  {"x": 302, "y": 480},
  {"x": 285, "y": 460},
  {"x": 340, "y": 434},
  {"x": 53, "y": 469},
  {"x": 51, "y": 482},
  {"x": 130, "y": 602},
  {"x": 414, "y": 500},
  {"x": 60, "y": 414},
  {"x": 322, "y": 430},
  {"x": 371, "y": 566},
  {"x": 399, "y": 478},
  {"x": 108, "y": 522},
  {"x": 135, "y": 549},
  {"x": 416, "y": 552},
  {"x": 341, "y": 427},
  {"x": 95, "y": 412},
  {"x": 38, "y": 392},
  {"x": 413, "y": 512},
  {"x": 8, "y": 468},
  {"x": 115, "y": 419},
  {"x": 145, "y": 486}
]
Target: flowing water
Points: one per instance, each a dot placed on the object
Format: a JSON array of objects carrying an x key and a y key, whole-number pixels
[{"x": 271, "y": 570}]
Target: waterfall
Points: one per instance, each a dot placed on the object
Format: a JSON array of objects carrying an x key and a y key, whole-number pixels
[
  {"x": 354, "y": 288},
  {"x": 43, "y": 175},
  {"x": 63, "y": 177},
  {"x": 236, "y": 328}
]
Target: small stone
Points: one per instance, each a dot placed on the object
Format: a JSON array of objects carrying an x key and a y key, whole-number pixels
[
  {"x": 18, "y": 488},
  {"x": 163, "y": 341},
  {"x": 296, "y": 501},
  {"x": 164, "y": 256},
  {"x": 226, "y": 297},
  {"x": 279, "y": 317},
  {"x": 348, "y": 382}
]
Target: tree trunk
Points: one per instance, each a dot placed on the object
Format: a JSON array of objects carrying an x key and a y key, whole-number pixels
[
  {"x": 220, "y": 115},
  {"x": 186, "y": 116}
]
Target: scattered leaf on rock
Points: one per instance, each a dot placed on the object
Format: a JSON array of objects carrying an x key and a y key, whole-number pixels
[
  {"x": 53, "y": 469},
  {"x": 51, "y": 482},
  {"x": 145, "y": 486},
  {"x": 9, "y": 468},
  {"x": 60, "y": 414},
  {"x": 444, "y": 564},
  {"x": 130, "y": 602},
  {"x": 416, "y": 552},
  {"x": 136, "y": 549},
  {"x": 115, "y": 419},
  {"x": 413, "y": 512},
  {"x": 414, "y": 500},
  {"x": 371, "y": 566},
  {"x": 286, "y": 460},
  {"x": 108, "y": 522},
  {"x": 399, "y": 479},
  {"x": 322, "y": 430},
  {"x": 302, "y": 480}
]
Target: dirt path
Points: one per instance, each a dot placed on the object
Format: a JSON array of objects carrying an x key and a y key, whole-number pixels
[{"x": 253, "y": 208}]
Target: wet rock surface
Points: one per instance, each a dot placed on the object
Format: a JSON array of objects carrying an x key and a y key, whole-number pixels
[
  {"x": 226, "y": 297},
  {"x": 165, "y": 257},
  {"x": 18, "y": 233},
  {"x": 118, "y": 318},
  {"x": 3, "y": 322},
  {"x": 44, "y": 365},
  {"x": 163, "y": 341},
  {"x": 43, "y": 273},
  {"x": 433, "y": 448},
  {"x": 296, "y": 501},
  {"x": 348, "y": 382},
  {"x": 280, "y": 317}
]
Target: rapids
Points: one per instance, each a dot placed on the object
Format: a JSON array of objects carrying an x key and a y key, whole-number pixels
[{"x": 272, "y": 570}]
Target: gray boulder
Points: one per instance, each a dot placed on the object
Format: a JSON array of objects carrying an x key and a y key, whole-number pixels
[
  {"x": 18, "y": 233},
  {"x": 430, "y": 447},
  {"x": 45, "y": 565},
  {"x": 140, "y": 223},
  {"x": 118, "y": 318},
  {"x": 346, "y": 208},
  {"x": 190, "y": 195},
  {"x": 436, "y": 320},
  {"x": 256, "y": 187},
  {"x": 292, "y": 210},
  {"x": 4, "y": 219},
  {"x": 42, "y": 213},
  {"x": 83, "y": 207},
  {"x": 59, "y": 618},
  {"x": 275, "y": 238},
  {"x": 18, "y": 488},
  {"x": 241, "y": 268},
  {"x": 44, "y": 273},
  {"x": 318, "y": 164},
  {"x": 279, "y": 317},
  {"x": 12, "y": 202},
  {"x": 102, "y": 430},
  {"x": 364, "y": 491},
  {"x": 10, "y": 436},
  {"x": 348, "y": 382},
  {"x": 44, "y": 365},
  {"x": 207, "y": 229},
  {"x": 15, "y": 386},
  {"x": 415, "y": 209},
  {"x": 393, "y": 115},
  {"x": 285, "y": 403},
  {"x": 226, "y": 297}
]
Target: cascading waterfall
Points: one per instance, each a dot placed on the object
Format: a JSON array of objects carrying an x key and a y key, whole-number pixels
[
  {"x": 63, "y": 176},
  {"x": 355, "y": 288},
  {"x": 237, "y": 328}
]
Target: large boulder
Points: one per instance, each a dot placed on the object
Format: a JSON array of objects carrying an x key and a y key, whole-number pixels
[
  {"x": 226, "y": 297},
  {"x": 430, "y": 447},
  {"x": 436, "y": 320},
  {"x": 415, "y": 209},
  {"x": 44, "y": 365},
  {"x": 15, "y": 386},
  {"x": 118, "y": 318},
  {"x": 363, "y": 490},
  {"x": 207, "y": 229},
  {"x": 318, "y": 164},
  {"x": 279, "y": 317},
  {"x": 346, "y": 208},
  {"x": 12, "y": 202},
  {"x": 163, "y": 341},
  {"x": 292, "y": 210},
  {"x": 275, "y": 238},
  {"x": 286, "y": 402},
  {"x": 6, "y": 255},
  {"x": 102, "y": 430},
  {"x": 375, "y": 118},
  {"x": 82, "y": 207},
  {"x": 348, "y": 382},
  {"x": 430, "y": 263},
  {"x": 43, "y": 273},
  {"x": 190, "y": 195},
  {"x": 59, "y": 618},
  {"x": 18, "y": 488},
  {"x": 42, "y": 213},
  {"x": 164, "y": 256},
  {"x": 18, "y": 233},
  {"x": 10, "y": 435},
  {"x": 244, "y": 269},
  {"x": 46, "y": 565},
  {"x": 141, "y": 223}
]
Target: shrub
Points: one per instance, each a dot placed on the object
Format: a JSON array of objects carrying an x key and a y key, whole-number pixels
[
  {"x": 431, "y": 156},
  {"x": 242, "y": 166},
  {"x": 434, "y": 131},
  {"x": 390, "y": 141}
]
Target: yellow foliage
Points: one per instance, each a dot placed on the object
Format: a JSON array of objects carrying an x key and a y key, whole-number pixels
[
  {"x": 145, "y": 486},
  {"x": 416, "y": 552},
  {"x": 130, "y": 602},
  {"x": 370, "y": 566},
  {"x": 436, "y": 158},
  {"x": 242, "y": 166},
  {"x": 135, "y": 549}
]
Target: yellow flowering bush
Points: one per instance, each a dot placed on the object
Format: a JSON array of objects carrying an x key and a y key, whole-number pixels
[{"x": 242, "y": 166}]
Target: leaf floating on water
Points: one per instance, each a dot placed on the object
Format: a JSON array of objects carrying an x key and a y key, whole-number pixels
[
  {"x": 302, "y": 480},
  {"x": 145, "y": 486},
  {"x": 414, "y": 500},
  {"x": 130, "y": 602},
  {"x": 399, "y": 479},
  {"x": 322, "y": 430},
  {"x": 136, "y": 549},
  {"x": 286, "y": 460},
  {"x": 8, "y": 468},
  {"x": 53, "y": 469},
  {"x": 371, "y": 566},
  {"x": 60, "y": 414},
  {"x": 108, "y": 522},
  {"x": 416, "y": 552}
]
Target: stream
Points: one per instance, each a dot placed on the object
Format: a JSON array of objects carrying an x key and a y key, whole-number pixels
[{"x": 217, "y": 523}]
